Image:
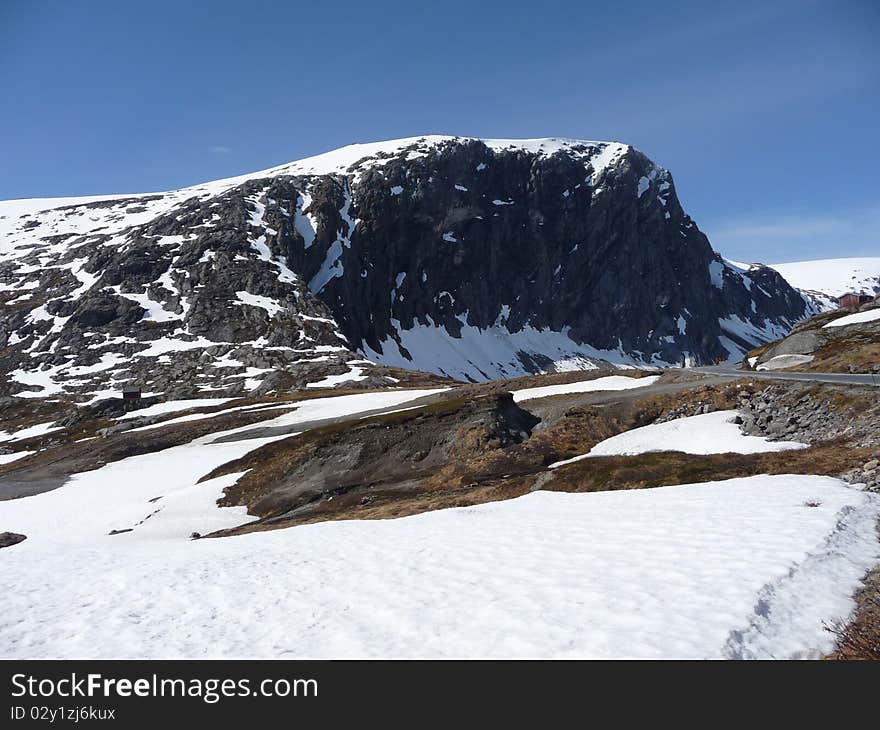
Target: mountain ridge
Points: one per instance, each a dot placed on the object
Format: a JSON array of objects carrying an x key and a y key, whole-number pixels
[{"x": 468, "y": 258}]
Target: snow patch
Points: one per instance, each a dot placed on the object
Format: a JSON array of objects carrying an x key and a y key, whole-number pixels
[
  {"x": 716, "y": 274},
  {"x": 355, "y": 373},
  {"x": 256, "y": 300},
  {"x": 869, "y": 315},
  {"x": 611, "y": 382},
  {"x": 834, "y": 277},
  {"x": 709, "y": 433},
  {"x": 785, "y": 361}
]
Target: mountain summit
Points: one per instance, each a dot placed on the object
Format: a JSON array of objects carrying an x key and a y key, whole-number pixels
[{"x": 463, "y": 257}]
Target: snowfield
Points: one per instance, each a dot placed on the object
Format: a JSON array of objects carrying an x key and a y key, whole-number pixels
[
  {"x": 708, "y": 433},
  {"x": 741, "y": 568},
  {"x": 834, "y": 277},
  {"x": 610, "y": 382}
]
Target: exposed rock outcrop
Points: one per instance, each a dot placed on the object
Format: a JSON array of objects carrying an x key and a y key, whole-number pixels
[
  {"x": 396, "y": 452},
  {"x": 7, "y": 539},
  {"x": 813, "y": 414},
  {"x": 843, "y": 340}
]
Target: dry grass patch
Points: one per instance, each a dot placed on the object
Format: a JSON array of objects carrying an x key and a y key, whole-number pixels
[
  {"x": 668, "y": 468},
  {"x": 860, "y": 638},
  {"x": 381, "y": 504},
  {"x": 856, "y": 354}
]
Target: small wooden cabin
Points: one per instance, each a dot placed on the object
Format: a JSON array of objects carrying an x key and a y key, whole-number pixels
[
  {"x": 853, "y": 300},
  {"x": 131, "y": 393}
]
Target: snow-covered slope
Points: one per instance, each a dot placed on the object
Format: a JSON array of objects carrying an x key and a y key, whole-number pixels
[
  {"x": 362, "y": 157},
  {"x": 464, "y": 257},
  {"x": 662, "y": 573},
  {"x": 833, "y": 277}
]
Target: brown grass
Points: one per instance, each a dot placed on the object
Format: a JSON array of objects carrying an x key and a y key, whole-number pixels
[
  {"x": 860, "y": 638},
  {"x": 855, "y": 354},
  {"x": 389, "y": 504},
  {"x": 667, "y": 468},
  {"x": 757, "y": 352}
]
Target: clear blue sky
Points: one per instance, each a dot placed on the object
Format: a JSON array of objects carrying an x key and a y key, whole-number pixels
[{"x": 767, "y": 112}]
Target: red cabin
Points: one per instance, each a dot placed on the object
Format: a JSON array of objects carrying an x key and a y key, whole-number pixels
[{"x": 853, "y": 300}]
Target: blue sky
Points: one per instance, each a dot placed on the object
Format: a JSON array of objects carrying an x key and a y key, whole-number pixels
[{"x": 765, "y": 112}]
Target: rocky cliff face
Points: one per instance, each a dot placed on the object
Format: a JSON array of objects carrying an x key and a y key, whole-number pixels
[{"x": 469, "y": 258}]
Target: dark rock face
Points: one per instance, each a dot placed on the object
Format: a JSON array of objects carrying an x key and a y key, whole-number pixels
[
  {"x": 450, "y": 255},
  {"x": 7, "y": 539},
  {"x": 479, "y": 238}
]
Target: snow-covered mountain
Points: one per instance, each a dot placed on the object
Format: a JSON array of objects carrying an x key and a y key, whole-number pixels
[
  {"x": 827, "y": 279},
  {"x": 464, "y": 257}
]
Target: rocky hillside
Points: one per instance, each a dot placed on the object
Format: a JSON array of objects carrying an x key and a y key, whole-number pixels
[
  {"x": 466, "y": 258},
  {"x": 843, "y": 340},
  {"x": 381, "y": 457}
]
